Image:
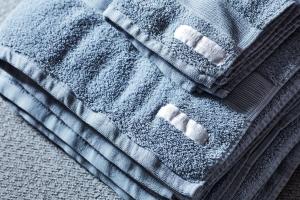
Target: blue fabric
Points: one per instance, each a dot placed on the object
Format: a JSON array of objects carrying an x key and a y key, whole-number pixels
[
  {"x": 88, "y": 84},
  {"x": 287, "y": 135},
  {"x": 55, "y": 120}
]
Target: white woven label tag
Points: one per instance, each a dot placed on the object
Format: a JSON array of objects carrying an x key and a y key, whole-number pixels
[
  {"x": 180, "y": 121},
  {"x": 201, "y": 44}
]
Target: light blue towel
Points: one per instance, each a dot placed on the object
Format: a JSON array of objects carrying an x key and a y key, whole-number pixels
[
  {"x": 243, "y": 34},
  {"x": 83, "y": 76},
  {"x": 75, "y": 155}
]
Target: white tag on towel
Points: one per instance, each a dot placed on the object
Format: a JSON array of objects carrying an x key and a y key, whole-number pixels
[
  {"x": 179, "y": 120},
  {"x": 201, "y": 44}
]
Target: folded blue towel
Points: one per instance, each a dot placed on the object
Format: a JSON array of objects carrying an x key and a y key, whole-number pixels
[
  {"x": 285, "y": 136},
  {"x": 74, "y": 155},
  {"x": 87, "y": 87},
  {"x": 216, "y": 44}
]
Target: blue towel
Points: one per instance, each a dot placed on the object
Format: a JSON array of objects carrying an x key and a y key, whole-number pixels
[
  {"x": 57, "y": 122},
  {"x": 88, "y": 88},
  {"x": 216, "y": 44},
  {"x": 75, "y": 143}
]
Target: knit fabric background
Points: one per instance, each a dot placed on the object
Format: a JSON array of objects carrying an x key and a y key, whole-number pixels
[{"x": 31, "y": 167}]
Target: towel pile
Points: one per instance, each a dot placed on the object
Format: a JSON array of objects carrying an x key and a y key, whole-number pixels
[{"x": 179, "y": 99}]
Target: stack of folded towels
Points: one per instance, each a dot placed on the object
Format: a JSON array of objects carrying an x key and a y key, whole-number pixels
[{"x": 178, "y": 99}]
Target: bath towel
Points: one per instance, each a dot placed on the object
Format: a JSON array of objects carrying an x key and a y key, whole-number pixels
[
  {"x": 87, "y": 87},
  {"x": 286, "y": 135}
]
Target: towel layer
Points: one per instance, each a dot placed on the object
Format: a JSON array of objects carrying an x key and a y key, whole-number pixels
[{"x": 222, "y": 42}]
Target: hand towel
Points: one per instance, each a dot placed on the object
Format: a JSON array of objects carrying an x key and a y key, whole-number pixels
[{"x": 215, "y": 44}]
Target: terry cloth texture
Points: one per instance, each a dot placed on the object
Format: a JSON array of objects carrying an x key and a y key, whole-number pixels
[
  {"x": 87, "y": 87},
  {"x": 224, "y": 42}
]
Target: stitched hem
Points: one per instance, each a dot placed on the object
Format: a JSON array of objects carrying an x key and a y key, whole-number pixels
[{"x": 66, "y": 148}]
